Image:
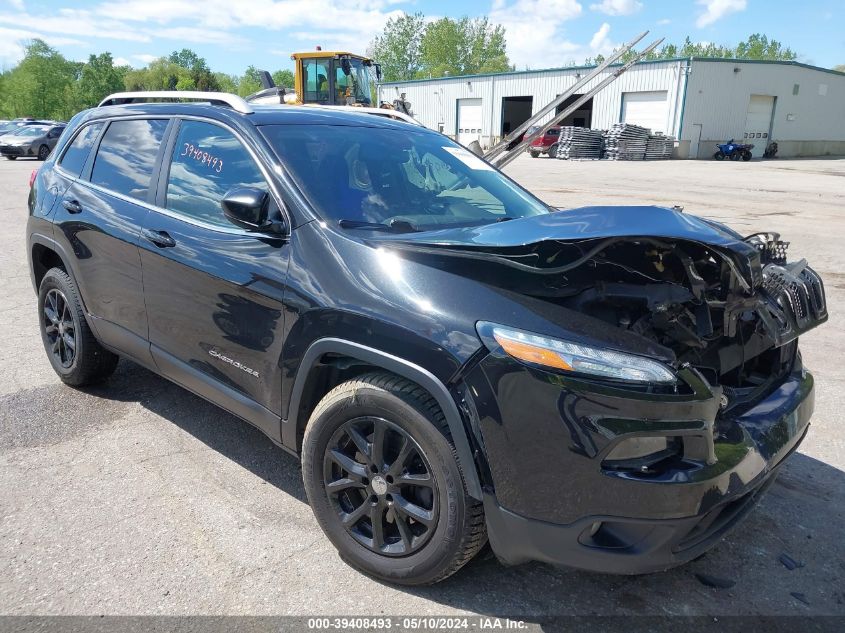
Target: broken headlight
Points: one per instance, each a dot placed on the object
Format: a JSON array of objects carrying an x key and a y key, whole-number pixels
[{"x": 576, "y": 358}]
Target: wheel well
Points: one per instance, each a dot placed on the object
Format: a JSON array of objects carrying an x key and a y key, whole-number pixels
[
  {"x": 327, "y": 373},
  {"x": 43, "y": 259}
]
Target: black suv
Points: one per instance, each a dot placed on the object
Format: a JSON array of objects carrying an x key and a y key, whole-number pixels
[{"x": 610, "y": 388}]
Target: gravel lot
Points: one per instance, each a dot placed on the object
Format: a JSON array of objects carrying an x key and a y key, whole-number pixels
[{"x": 139, "y": 498}]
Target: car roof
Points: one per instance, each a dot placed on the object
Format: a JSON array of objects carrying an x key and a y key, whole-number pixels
[{"x": 276, "y": 114}]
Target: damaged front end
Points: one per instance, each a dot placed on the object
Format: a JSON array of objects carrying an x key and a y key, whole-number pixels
[{"x": 730, "y": 307}]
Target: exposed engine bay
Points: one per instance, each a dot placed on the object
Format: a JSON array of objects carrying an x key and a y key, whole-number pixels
[{"x": 732, "y": 309}]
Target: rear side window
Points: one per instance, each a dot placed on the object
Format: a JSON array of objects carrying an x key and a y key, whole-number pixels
[
  {"x": 207, "y": 162},
  {"x": 77, "y": 152},
  {"x": 127, "y": 155}
]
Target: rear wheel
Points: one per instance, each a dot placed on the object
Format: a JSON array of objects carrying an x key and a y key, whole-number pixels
[
  {"x": 11, "y": 157},
  {"x": 553, "y": 151},
  {"x": 720, "y": 155},
  {"x": 43, "y": 152},
  {"x": 534, "y": 154},
  {"x": 382, "y": 478},
  {"x": 746, "y": 155},
  {"x": 76, "y": 356}
]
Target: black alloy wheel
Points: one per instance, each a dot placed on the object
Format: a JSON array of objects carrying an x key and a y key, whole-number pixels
[
  {"x": 43, "y": 152},
  {"x": 381, "y": 484},
  {"x": 59, "y": 328}
]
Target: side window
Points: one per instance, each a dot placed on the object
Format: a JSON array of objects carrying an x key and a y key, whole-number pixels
[
  {"x": 127, "y": 155},
  {"x": 207, "y": 162},
  {"x": 77, "y": 152}
]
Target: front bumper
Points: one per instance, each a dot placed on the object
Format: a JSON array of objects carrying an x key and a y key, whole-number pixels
[
  {"x": 14, "y": 150},
  {"x": 551, "y": 498}
]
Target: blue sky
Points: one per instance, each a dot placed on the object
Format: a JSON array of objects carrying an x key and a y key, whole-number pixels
[{"x": 232, "y": 34}]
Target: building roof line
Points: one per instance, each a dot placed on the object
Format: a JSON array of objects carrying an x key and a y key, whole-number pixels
[{"x": 588, "y": 67}]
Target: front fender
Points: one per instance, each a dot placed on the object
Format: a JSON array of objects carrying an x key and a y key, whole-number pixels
[{"x": 400, "y": 367}]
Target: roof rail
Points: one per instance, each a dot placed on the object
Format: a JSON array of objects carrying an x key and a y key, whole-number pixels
[{"x": 216, "y": 98}]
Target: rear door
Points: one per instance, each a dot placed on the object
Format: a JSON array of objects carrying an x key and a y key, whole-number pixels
[
  {"x": 214, "y": 291},
  {"x": 100, "y": 219}
]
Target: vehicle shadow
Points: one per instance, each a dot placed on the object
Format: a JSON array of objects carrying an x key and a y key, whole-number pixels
[{"x": 786, "y": 558}]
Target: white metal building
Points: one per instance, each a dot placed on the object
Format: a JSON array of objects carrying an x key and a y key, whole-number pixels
[{"x": 700, "y": 101}]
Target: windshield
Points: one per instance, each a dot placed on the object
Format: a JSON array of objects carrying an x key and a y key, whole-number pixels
[
  {"x": 391, "y": 177},
  {"x": 30, "y": 130},
  {"x": 353, "y": 87}
]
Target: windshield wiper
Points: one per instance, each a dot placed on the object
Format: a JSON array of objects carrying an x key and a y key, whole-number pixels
[{"x": 394, "y": 226}]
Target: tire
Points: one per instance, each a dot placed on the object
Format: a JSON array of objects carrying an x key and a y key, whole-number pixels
[
  {"x": 451, "y": 528},
  {"x": 11, "y": 157},
  {"x": 553, "y": 151},
  {"x": 746, "y": 156},
  {"x": 62, "y": 321},
  {"x": 534, "y": 154},
  {"x": 720, "y": 155},
  {"x": 43, "y": 152}
]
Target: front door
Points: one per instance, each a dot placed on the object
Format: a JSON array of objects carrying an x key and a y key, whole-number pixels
[{"x": 214, "y": 291}]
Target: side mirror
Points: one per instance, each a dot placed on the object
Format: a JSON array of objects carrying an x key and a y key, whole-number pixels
[
  {"x": 247, "y": 208},
  {"x": 346, "y": 65}
]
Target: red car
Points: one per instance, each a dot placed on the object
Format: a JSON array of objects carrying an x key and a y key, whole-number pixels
[{"x": 546, "y": 144}]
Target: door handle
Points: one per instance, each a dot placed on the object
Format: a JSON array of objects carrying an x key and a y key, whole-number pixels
[
  {"x": 72, "y": 206},
  {"x": 159, "y": 238}
]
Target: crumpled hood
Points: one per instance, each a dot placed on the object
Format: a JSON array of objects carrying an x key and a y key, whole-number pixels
[{"x": 591, "y": 223}]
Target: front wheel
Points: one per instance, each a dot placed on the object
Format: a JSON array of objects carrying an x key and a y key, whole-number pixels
[
  {"x": 382, "y": 477},
  {"x": 534, "y": 154},
  {"x": 746, "y": 155},
  {"x": 720, "y": 155},
  {"x": 11, "y": 157},
  {"x": 553, "y": 151}
]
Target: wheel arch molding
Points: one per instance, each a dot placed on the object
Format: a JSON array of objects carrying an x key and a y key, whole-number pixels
[{"x": 399, "y": 366}]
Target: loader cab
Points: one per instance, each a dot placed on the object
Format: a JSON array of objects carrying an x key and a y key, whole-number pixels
[{"x": 335, "y": 78}]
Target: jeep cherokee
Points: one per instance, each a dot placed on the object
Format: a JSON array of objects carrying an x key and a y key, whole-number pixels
[{"x": 609, "y": 388}]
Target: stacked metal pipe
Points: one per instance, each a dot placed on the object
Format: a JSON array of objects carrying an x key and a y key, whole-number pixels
[
  {"x": 579, "y": 142},
  {"x": 625, "y": 141}
]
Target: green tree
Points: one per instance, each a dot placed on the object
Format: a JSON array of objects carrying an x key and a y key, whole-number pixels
[
  {"x": 40, "y": 84},
  {"x": 201, "y": 75},
  {"x": 227, "y": 83},
  {"x": 840, "y": 68},
  {"x": 283, "y": 78},
  {"x": 397, "y": 49},
  {"x": 462, "y": 47},
  {"x": 249, "y": 82},
  {"x": 160, "y": 74},
  {"x": 99, "y": 78}
]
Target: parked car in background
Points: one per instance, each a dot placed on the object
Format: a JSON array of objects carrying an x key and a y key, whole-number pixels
[
  {"x": 546, "y": 144},
  {"x": 30, "y": 140}
]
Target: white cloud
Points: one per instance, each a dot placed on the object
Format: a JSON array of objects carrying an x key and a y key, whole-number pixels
[
  {"x": 121, "y": 61},
  {"x": 600, "y": 43},
  {"x": 617, "y": 7},
  {"x": 12, "y": 41},
  {"x": 145, "y": 57},
  {"x": 664, "y": 22},
  {"x": 534, "y": 31},
  {"x": 17, "y": 4},
  {"x": 717, "y": 9}
]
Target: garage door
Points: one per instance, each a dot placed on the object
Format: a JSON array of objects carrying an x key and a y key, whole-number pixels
[
  {"x": 469, "y": 120},
  {"x": 648, "y": 109},
  {"x": 758, "y": 123}
]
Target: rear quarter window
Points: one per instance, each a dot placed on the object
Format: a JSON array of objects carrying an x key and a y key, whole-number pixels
[
  {"x": 127, "y": 155},
  {"x": 73, "y": 160}
]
